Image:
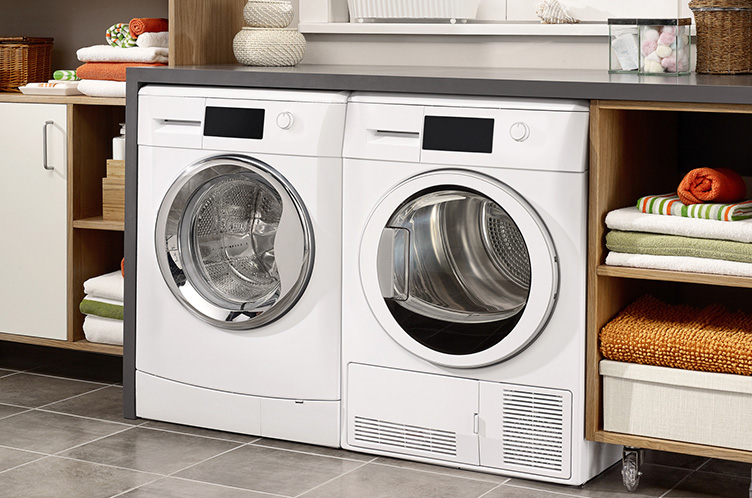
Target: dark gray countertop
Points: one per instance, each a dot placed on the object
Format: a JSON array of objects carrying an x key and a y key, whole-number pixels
[{"x": 531, "y": 83}]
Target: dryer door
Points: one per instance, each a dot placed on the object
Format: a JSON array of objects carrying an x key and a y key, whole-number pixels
[
  {"x": 234, "y": 242},
  {"x": 459, "y": 269}
]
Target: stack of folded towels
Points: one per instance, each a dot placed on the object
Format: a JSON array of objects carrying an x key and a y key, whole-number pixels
[
  {"x": 706, "y": 227},
  {"x": 143, "y": 42},
  {"x": 103, "y": 307}
]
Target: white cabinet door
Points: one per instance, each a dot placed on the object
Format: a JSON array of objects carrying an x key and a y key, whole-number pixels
[
  {"x": 33, "y": 218},
  {"x": 526, "y": 429}
]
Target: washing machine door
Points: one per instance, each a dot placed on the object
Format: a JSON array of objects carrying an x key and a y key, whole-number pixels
[
  {"x": 234, "y": 242},
  {"x": 459, "y": 269}
]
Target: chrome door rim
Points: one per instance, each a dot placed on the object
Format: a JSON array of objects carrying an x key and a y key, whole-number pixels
[
  {"x": 170, "y": 244},
  {"x": 544, "y": 262}
]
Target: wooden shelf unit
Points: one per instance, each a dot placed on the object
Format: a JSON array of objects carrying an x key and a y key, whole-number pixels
[
  {"x": 643, "y": 148},
  {"x": 95, "y": 246}
]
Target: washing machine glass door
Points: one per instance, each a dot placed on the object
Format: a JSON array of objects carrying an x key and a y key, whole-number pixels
[
  {"x": 459, "y": 269},
  {"x": 234, "y": 242}
]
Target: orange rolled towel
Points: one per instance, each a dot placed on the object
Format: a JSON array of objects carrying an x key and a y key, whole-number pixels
[
  {"x": 711, "y": 185},
  {"x": 113, "y": 71},
  {"x": 147, "y": 25}
]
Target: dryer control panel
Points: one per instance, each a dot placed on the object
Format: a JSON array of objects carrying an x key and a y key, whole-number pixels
[{"x": 548, "y": 135}]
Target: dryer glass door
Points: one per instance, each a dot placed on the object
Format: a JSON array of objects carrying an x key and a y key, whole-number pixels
[
  {"x": 465, "y": 269},
  {"x": 234, "y": 242}
]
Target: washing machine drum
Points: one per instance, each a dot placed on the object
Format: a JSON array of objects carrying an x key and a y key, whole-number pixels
[
  {"x": 466, "y": 271},
  {"x": 234, "y": 242}
]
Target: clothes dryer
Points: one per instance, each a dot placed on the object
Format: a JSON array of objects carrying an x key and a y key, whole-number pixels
[
  {"x": 239, "y": 260},
  {"x": 464, "y": 246}
]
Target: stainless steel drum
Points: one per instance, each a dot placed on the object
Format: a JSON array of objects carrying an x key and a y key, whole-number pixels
[
  {"x": 234, "y": 242},
  {"x": 456, "y": 256}
]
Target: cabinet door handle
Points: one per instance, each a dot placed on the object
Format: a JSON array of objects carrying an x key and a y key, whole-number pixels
[{"x": 44, "y": 145}]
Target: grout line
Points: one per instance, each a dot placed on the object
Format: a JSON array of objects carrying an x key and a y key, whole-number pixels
[
  {"x": 226, "y": 486},
  {"x": 426, "y": 471},
  {"x": 72, "y": 397},
  {"x": 311, "y": 453},
  {"x": 29, "y": 372},
  {"x": 490, "y": 490},
  {"x": 42, "y": 457},
  {"x": 142, "y": 426},
  {"x": 171, "y": 474},
  {"x": 678, "y": 483},
  {"x": 333, "y": 479},
  {"x": 109, "y": 465},
  {"x": 84, "y": 417},
  {"x": 539, "y": 490},
  {"x": 162, "y": 478},
  {"x": 23, "y": 410},
  {"x": 127, "y": 428}
]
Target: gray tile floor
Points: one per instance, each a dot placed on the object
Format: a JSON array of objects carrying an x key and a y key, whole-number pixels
[{"x": 62, "y": 435}]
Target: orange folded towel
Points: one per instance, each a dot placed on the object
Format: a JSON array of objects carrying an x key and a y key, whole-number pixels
[
  {"x": 113, "y": 71},
  {"x": 147, "y": 25},
  {"x": 711, "y": 185}
]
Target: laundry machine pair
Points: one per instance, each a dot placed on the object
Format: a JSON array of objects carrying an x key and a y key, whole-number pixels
[{"x": 397, "y": 274}]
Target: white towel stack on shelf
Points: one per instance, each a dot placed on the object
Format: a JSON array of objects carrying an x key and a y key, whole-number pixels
[{"x": 109, "y": 290}]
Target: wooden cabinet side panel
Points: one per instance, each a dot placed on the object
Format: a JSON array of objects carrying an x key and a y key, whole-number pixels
[{"x": 201, "y": 31}]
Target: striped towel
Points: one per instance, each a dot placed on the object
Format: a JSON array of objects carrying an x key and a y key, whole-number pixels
[
  {"x": 119, "y": 35},
  {"x": 671, "y": 205}
]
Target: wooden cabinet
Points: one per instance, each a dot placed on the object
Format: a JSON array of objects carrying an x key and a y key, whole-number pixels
[
  {"x": 642, "y": 148},
  {"x": 58, "y": 238}
]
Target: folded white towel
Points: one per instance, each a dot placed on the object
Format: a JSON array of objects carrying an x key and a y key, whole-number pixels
[
  {"x": 101, "y": 299},
  {"x": 106, "y": 53},
  {"x": 108, "y": 286},
  {"x": 103, "y": 330},
  {"x": 102, "y": 88},
  {"x": 160, "y": 39},
  {"x": 631, "y": 219},
  {"x": 680, "y": 263}
]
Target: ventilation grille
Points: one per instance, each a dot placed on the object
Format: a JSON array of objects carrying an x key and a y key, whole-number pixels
[
  {"x": 394, "y": 435},
  {"x": 535, "y": 430}
]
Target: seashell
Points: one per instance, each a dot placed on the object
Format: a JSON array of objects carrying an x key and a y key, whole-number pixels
[{"x": 554, "y": 12}]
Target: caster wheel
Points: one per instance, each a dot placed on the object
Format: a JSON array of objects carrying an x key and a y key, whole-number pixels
[{"x": 630, "y": 470}]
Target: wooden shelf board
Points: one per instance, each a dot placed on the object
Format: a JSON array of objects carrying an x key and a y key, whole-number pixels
[
  {"x": 82, "y": 345},
  {"x": 673, "y": 446},
  {"x": 60, "y": 99},
  {"x": 99, "y": 223},
  {"x": 672, "y": 106},
  {"x": 673, "y": 276}
]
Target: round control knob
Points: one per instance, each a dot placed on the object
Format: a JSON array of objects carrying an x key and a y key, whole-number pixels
[
  {"x": 519, "y": 131},
  {"x": 285, "y": 120}
]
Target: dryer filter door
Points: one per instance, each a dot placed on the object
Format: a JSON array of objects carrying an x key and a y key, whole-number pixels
[
  {"x": 234, "y": 242},
  {"x": 465, "y": 272}
]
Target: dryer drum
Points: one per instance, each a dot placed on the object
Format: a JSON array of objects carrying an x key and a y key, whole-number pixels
[{"x": 463, "y": 258}]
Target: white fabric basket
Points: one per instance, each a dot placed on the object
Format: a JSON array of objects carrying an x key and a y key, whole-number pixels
[
  {"x": 268, "y": 13},
  {"x": 268, "y": 46},
  {"x": 413, "y": 9},
  {"x": 679, "y": 405}
]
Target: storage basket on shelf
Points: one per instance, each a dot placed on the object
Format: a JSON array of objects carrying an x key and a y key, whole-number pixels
[
  {"x": 412, "y": 9},
  {"x": 724, "y": 36},
  {"x": 24, "y": 60}
]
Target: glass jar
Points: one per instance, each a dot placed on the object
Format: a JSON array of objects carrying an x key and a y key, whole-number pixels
[
  {"x": 665, "y": 46},
  {"x": 624, "y": 45}
]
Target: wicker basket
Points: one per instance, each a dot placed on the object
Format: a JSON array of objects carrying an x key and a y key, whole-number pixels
[
  {"x": 24, "y": 60},
  {"x": 268, "y": 13},
  {"x": 724, "y": 36},
  {"x": 269, "y": 46}
]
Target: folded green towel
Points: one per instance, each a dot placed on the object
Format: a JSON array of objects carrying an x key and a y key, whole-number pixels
[
  {"x": 98, "y": 308},
  {"x": 675, "y": 245}
]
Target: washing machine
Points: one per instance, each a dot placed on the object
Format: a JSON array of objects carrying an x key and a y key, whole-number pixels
[
  {"x": 239, "y": 260},
  {"x": 464, "y": 284}
]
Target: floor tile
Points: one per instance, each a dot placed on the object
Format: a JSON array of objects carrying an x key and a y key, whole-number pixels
[
  {"x": 504, "y": 491},
  {"x": 440, "y": 469},
  {"x": 655, "y": 481},
  {"x": 708, "y": 485},
  {"x": 317, "y": 450},
  {"x": 150, "y": 450},
  {"x": 381, "y": 481},
  {"x": 103, "y": 404},
  {"x": 7, "y": 410},
  {"x": 268, "y": 470},
  {"x": 10, "y": 458},
  {"x": 739, "y": 469},
  {"x": 59, "y": 477},
  {"x": 169, "y": 487},
  {"x": 198, "y": 431},
  {"x": 37, "y": 390},
  {"x": 52, "y": 432}
]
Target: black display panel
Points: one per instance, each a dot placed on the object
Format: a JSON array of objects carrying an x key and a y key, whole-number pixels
[
  {"x": 234, "y": 122},
  {"x": 457, "y": 134}
]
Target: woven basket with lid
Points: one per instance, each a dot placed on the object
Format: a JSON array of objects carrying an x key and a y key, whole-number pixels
[
  {"x": 24, "y": 60},
  {"x": 724, "y": 36}
]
